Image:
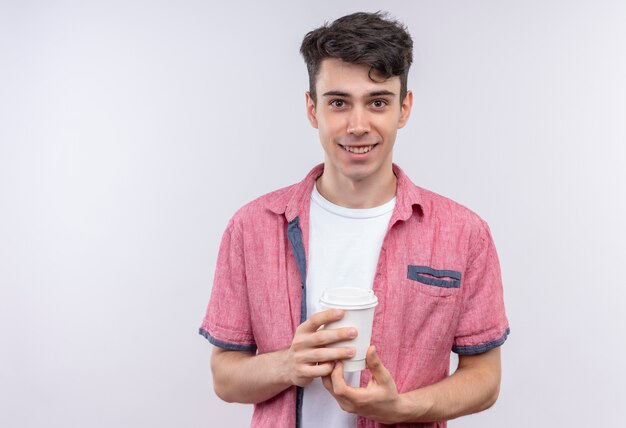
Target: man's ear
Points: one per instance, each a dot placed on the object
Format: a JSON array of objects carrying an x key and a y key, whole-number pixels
[
  {"x": 310, "y": 110},
  {"x": 405, "y": 109}
]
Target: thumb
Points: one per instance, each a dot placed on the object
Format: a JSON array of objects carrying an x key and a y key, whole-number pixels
[{"x": 373, "y": 362}]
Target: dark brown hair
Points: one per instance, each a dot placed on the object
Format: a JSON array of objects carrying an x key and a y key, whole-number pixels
[{"x": 372, "y": 39}]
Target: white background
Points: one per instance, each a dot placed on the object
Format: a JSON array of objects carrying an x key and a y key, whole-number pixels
[{"x": 130, "y": 131}]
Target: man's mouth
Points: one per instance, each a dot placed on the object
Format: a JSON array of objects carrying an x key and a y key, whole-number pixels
[{"x": 358, "y": 149}]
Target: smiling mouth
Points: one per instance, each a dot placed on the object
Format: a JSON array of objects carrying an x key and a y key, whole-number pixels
[{"x": 358, "y": 149}]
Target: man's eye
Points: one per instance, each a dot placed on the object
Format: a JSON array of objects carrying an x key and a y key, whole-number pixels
[
  {"x": 379, "y": 103},
  {"x": 337, "y": 103}
]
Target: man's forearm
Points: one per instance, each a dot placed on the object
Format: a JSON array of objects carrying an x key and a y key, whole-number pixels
[
  {"x": 248, "y": 378},
  {"x": 245, "y": 377},
  {"x": 472, "y": 388}
]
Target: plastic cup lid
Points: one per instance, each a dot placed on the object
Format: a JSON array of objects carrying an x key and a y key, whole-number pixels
[{"x": 349, "y": 297}]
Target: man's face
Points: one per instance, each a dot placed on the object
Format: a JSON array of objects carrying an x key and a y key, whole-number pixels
[{"x": 357, "y": 119}]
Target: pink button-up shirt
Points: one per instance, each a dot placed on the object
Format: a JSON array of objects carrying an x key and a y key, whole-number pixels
[{"x": 437, "y": 280}]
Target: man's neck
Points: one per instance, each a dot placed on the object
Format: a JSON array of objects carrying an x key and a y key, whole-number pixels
[{"x": 369, "y": 193}]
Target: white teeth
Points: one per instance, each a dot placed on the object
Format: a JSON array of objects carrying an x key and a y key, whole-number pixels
[{"x": 358, "y": 150}]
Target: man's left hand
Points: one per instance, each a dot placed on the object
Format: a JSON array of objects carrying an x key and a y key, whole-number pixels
[{"x": 378, "y": 401}]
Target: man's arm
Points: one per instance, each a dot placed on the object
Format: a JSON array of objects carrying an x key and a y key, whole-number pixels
[
  {"x": 473, "y": 387},
  {"x": 245, "y": 377}
]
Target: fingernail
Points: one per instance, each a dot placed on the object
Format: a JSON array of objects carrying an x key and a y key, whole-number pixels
[
  {"x": 337, "y": 313},
  {"x": 352, "y": 332},
  {"x": 350, "y": 352}
]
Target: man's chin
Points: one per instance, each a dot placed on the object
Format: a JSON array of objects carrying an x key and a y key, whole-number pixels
[{"x": 359, "y": 173}]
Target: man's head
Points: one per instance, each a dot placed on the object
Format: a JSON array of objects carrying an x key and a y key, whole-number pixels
[{"x": 370, "y": 39}]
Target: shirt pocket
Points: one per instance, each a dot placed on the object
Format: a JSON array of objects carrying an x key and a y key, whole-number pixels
[
  {"x": 434, "y": 282},
  {"x": 426, "y": 304}
]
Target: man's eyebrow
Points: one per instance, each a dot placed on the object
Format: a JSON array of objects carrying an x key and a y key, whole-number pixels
[
  {"x": 381, "y": 93},
  {"x": 336, "y": 94},
  {"x": 347, "y": 95}
]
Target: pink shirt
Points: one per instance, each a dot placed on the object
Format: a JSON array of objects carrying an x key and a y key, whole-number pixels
[{"x": 437, "y": 281}]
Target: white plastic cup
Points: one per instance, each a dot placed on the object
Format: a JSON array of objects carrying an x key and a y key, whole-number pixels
[{"x": 359, "y": 305}]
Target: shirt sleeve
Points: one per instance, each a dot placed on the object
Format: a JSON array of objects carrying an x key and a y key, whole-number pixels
[
  {"x": 227, "y": 321},
  {"x": 483, "y": 324}
]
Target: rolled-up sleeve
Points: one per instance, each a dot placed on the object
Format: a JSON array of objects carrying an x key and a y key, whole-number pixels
[
  {"x": 483, "y": 324},
  {"x": 227, "y": 321}
]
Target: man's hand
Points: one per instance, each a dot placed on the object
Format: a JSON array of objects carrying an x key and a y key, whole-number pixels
[
  {"x": 308, "y": 357},
  {"x": 473, "y": 387},
  {"x": 378, "y": 401}
]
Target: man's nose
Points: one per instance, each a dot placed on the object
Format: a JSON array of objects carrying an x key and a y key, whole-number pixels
[{"x": 358, "y": 122}]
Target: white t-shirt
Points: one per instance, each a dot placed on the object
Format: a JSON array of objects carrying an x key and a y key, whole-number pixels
[{"x": 344, "y": 247}]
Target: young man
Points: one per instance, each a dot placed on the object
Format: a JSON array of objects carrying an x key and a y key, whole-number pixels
[{"x": 357, "y": 220}]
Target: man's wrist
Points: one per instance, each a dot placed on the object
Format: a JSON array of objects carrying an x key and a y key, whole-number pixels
[
  {"x": 284, "y": 374},
  {"x": 413, "y": 407}
]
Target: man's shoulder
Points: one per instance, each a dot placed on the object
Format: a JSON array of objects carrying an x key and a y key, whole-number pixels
[
  {"x": 444, "y": 208},
  {"x": 433, "y": 207},
  {"x": 283, "y": 202},
  {"x": 270, "y": 204}
]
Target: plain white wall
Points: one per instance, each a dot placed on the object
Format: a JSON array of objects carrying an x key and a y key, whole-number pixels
[{"x": 130, "y": 131}]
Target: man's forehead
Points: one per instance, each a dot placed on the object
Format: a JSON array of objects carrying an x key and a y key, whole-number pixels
[{"x": 336, "y": 75}]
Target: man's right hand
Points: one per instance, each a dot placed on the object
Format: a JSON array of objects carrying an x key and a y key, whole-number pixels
[{"x": 308, "y": 357}]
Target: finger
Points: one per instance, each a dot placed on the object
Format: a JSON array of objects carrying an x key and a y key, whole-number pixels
[
  {"x": 320, "y": 370},
  {"x": 339, "y": 384},
  {"x": 345, "y": 404},
  {"x": 337, "y": 374},
  {"x": 328, "y": 336},
  {"x": 323, "y": 337},
  {"x": 373, "y": 362},
  {"x": 328, "y": 383},
  {"x": 318, "y": 319},
  {"x": 320, "y": 355}
]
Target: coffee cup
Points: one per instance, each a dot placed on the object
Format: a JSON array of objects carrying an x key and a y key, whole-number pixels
[{"x": 359, "y": 305}]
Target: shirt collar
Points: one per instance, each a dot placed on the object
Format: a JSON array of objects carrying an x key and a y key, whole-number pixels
[
  {"x": 407, "y": 196},
  {"x": 294, "y": 199}
]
